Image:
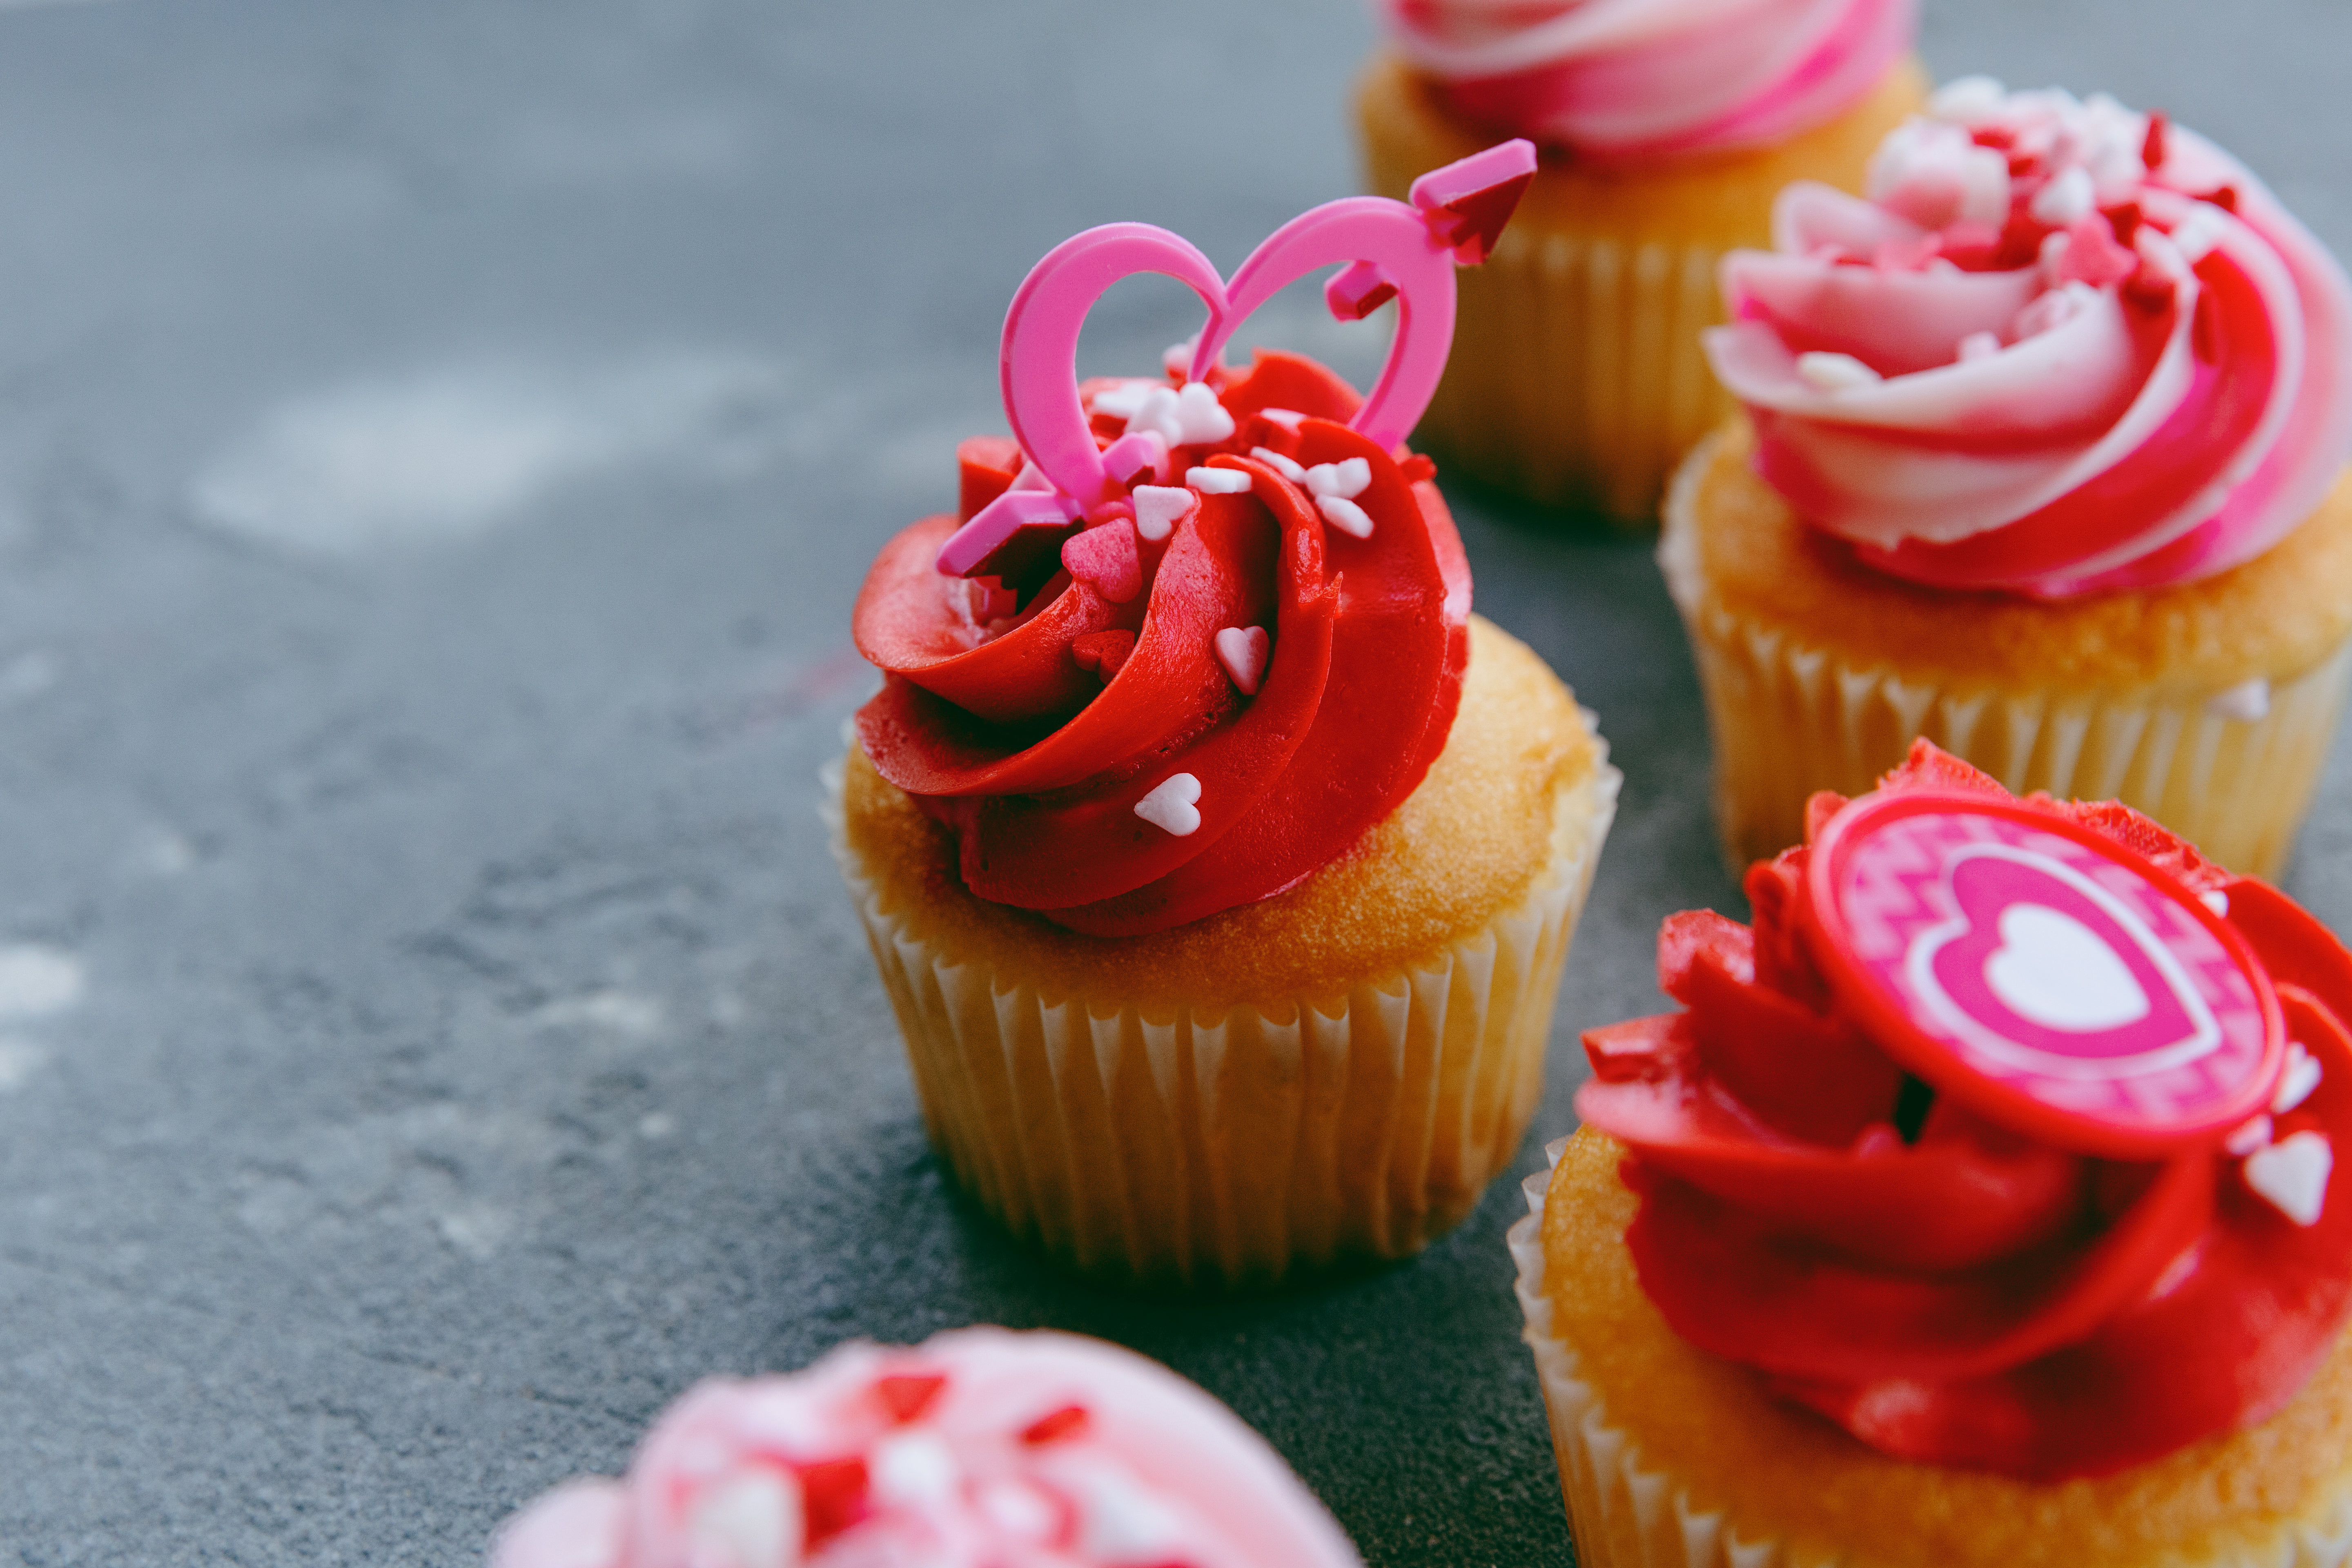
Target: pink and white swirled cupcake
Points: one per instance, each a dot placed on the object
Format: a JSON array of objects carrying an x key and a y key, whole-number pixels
[
  {"x": 2041, "y": 461},
  {"x": 981, "y": 1448},
  {"x": 1666, "y": 127}
]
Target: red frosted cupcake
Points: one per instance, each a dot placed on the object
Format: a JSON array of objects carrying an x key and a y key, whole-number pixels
[{"x": 2005, "y": 1141}]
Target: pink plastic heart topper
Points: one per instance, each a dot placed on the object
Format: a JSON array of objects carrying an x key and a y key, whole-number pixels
[
  {"x": 2042, "y": 972},
  {"x": 1385, "y": 250}
]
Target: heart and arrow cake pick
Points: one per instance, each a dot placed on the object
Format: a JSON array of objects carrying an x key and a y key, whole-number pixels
[{"x": 1074, "y": 482}]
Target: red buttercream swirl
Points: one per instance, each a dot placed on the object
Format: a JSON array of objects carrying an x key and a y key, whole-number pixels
[
  {"x": 1032, "y": 718},
  {"x": 2064, "y": 347},
  {"x": 1948, "y": 1288}
]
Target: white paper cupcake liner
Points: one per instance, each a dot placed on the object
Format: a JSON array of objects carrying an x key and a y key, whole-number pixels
[
  {"x": 1627, "y": 1513},
  {"x": 1238, "y": 1145},
  {"x": 2233, "y": 771}
]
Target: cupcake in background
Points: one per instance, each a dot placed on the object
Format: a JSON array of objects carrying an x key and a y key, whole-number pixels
[
  {"x": 979, "y": 1446},
  {"x": 1218, "y": 864},
  {"x": 2043, "y": 460},
  {"x": 1667, "y": 126},
  {"x": 1987, "y": 1203}
]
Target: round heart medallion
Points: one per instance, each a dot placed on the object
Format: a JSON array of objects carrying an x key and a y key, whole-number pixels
[{"x": 2042, "y": 972}]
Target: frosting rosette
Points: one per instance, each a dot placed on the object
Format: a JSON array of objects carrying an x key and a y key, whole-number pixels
[
  {"x": 1225, "y": 681},
  {"x": 983, "y": 1448},
  {"x": 2063, "y": 347},
  {"x": 1637, "y": 78},
  {"x": 2004, "y": 1137}
]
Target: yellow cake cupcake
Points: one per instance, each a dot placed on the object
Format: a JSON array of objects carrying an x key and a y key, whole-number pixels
[
  {"x": 1218, "y": 864},
  {"x": 2046, "y": 1325},
  {"x": 1577, "y": 378},
  {"x": 2041, "y": 461}
]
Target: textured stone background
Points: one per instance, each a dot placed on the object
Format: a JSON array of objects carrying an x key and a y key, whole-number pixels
[{"x": 439, "y": 441}]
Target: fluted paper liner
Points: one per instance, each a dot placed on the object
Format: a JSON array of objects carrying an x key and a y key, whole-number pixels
[
  {"x": 1235, "y": 1146},
  {"x": 1625, "y": 1512},
  {"x": 1787, "y": 718}
]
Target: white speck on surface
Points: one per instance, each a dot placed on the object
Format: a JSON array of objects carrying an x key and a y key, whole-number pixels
[
  {"x": 27, "y": 676},
  {"x": 446, "y": 454},
  {"x": 1217, "y": 481},
  {"x": 1173, "y": 805},
  {"x": 475, "y": 1229},
  {"x": 37, "y": 979},
  {"x": 19, "y": 1060},
  {"x": 163, "y": 852},
  {"x": 656, "y": 1125},
  {"x": 2246, "y": 702},
  {"x": 615, "y": 1011}
]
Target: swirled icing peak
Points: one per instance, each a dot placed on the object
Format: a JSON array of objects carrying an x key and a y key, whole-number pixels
[
  {"x": 1189, "y": 636},
  {"x": 2063, "y": 347},
  {"x": 1631, "y": 78},
  {"x": 2006, "y": 1137},
  {"x": 983, "y": 1448}
]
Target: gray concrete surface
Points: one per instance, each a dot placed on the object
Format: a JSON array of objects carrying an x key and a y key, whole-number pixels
[{"x": 438, "y": 440}]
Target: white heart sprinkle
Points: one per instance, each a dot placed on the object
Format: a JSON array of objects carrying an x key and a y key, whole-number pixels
[
  {"x": 1200, "y": 419},
  {"x": 1241, "y": 650},
  {"x": 1967, "y": 98},
  {"x": 1345, "y": 515},
  {"x": 1835, "y": 372},
  {"x": 1122, "y": 399},
  {"x": 2302, "y": 1076},
  {"x": 2066, "y": 200},
  {"x": 1978, "y": 345},
  {"x": 2196, "y": 236},
  {"x": 1217, "y": 481},
  {"x": 752, "y": 1517},
  {"x": 1160, "y": 508},
  {"x": 2053, "y": 969},
  {"x": 915, "y": 1470},
  {"x": 2249, "y": 1138},
  {"x": 2217, "y": 901},
  {"x": 2246, "y": 702},
  {"x": 1171, "y": 805},
  {"x": 1281, "y": 465},
  {"x": 2292, "y": 1176},
  {"x": 1288, "y": 418},
  {"x": 1346, "y": 479}
]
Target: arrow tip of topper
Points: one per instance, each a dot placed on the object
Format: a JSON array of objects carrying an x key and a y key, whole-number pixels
[{"x": 1468, "y": 202}]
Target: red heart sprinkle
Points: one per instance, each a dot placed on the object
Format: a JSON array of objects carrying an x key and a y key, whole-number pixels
[
  {"x": 905, "y": 1395},
  {"x": 833, "y": 1497},
  {"x": 1069, "y": 1420}
]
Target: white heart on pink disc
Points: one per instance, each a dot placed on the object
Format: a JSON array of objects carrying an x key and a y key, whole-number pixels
[
  {"x": 1241, "y": 650},
  {"x": 2052, "y": 970},
  {"x": 2292, "y": 1175},
  {"x": 1171, "y": 805}
]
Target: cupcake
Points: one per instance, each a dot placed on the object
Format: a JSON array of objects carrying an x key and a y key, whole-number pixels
[
  {"x": 1981, "y": 1206},
  {"x": 1667, "y": 126},
  {"x": 980, "y": 1447},
  {"x": 2042, "y": 461},
  {"x": 1218, "y": 862}
]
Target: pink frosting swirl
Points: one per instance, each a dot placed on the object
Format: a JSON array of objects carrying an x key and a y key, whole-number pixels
[
  {"x": 983, "y": 1448},
  {"x": 2063, "y": 347},
  {"x": 1628, "y": 78}
]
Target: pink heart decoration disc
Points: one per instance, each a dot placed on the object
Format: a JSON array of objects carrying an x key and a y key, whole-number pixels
[{"x": 2043, "y": 973}]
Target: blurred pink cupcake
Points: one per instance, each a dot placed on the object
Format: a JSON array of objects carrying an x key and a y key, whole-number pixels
[{"x": 981, "y": 1448}]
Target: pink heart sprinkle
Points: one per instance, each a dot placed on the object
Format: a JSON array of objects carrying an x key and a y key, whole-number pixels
[
  {"x": 1241, "y": 650},
  {"x": 1107, "y": 560}
]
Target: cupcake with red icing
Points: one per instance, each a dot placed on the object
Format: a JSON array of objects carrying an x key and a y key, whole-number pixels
[
  {"x": 1218, "y": 863},
  {"x": 1985, "y": 1202},
  {"x": 980, "y": 1447},
  {"x": 2043, "y": 459},
  {"x": 1667, "y": 126}
]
